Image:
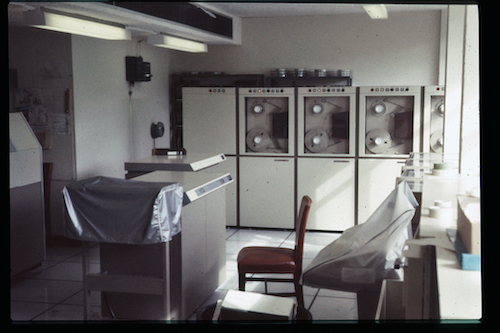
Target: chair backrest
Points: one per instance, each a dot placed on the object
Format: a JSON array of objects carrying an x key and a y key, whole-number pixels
[{"x": 300, "y": 230}]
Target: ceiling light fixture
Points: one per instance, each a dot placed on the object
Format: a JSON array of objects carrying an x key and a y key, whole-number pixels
[
  {"x": 177, "y": 43},
  {"x": 376, "y": 11},
  {"x": 74, "y": 25}
]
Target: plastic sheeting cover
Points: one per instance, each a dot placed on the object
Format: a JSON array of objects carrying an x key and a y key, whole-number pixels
[
  {"x": 111, "y": 210},
  {"x": 364, "y": 255}
]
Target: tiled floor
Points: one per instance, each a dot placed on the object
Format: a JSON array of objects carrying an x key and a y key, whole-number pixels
[{"x": 53, "y": 291}]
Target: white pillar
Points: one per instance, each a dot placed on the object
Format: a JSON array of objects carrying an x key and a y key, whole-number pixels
[
  {"x": 470, "y": 136},
  {"x": 454, "y": 78}
]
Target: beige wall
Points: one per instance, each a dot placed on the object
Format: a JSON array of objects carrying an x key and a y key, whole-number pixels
[
  {"x": 112, "y": 127},
  {"x": 403, "y": 49}
]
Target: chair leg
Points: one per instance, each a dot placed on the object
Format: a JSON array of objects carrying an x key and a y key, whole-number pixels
[
  {"x": 241, "y": 281},
  {"x": 300, "y": 294}
]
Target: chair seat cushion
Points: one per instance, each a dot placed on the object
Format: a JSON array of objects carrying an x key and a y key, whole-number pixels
[{"x": 261, "y": 259}]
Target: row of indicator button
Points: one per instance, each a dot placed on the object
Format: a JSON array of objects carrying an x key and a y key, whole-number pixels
[
  {"x": 327, "y": 90},
  {"x": 265, "y": 90},
  {"x": 390, "y": 89},
  {"x": 318, "y": 90}
]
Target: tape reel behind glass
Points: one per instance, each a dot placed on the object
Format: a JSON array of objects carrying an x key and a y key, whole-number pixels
[
  {"x": 437, "y": 141},
  {"x": 389, "y": 124},
  {"x": 326, "y": 125},
  {"x": 258, "y": 140},
  {"x": 267, "y": 125},
  {"x": 436, "y": 126}
]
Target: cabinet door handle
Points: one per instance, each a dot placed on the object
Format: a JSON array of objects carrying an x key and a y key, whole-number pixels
[
  {"x": 281, "y": 160},
  {"x": 340, "y": 161}
]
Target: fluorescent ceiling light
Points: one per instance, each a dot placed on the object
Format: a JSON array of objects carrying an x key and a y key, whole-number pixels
[
  {"x": 76, "y": 26},
  {"x": 176, "y": 43},
  {"x": 376, "y": 11}
]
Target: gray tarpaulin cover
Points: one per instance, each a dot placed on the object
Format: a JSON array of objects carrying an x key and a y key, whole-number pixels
[
  {"x": 364, "y": 255},
  {"x": 112, "y": 210}
]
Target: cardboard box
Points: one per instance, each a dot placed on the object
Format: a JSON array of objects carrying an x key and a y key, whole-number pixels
[{"x": 469, "y": 223}]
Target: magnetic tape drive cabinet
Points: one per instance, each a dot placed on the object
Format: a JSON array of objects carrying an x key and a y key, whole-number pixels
[
  {"x": 389, "y": 121},
  {"x": 266, "y": 162},
  {"x": 326, "y": 121},
  {"x": 326, "y": 137},
  {"x": 389, "y": 130}
]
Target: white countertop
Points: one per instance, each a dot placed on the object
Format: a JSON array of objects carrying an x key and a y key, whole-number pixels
[
  {"x": 459, "y": 290},
  {"x": 188, "y": 162},
  {"x": 195, "y": 184}
]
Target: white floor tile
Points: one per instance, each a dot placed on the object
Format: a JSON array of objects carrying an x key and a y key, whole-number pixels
[
  {"x": 77, "y": 299},
  {"x": 68, "y": 312},
  {"x": 65, "y": 270},
  {"x": 336, "y": 293},
  {"x": 24, "y": 311},
  {"x": 315, "y": 242},
  {"x": 321, "y": 238},
  {"x": 231, "y": 280},
  {"x": 230, "y": 231},
  {"x": 309, "y": 290},
  {"x": 45, "y": 264},
  {"x": 255, "y": 286},
  {"x": 231, "y": 262},
  {"x": 93, "y": 256},
  {"x": 333, "y": 308},
  {"x": 54, "y": 290},
  {"x": 308, "y": 300},
  {"x": 60, "y": 253},
  {"x": 234, "y": 246},
  {"x": 260, "y": 235},
  {"x": 47, "y": 291}
]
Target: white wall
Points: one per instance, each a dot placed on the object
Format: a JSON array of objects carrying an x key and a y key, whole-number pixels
[
  {"x": 112, "y": 127},
  {"x": 44, "y": 72},
  {"x": 470, "y": 160},
  {"x": 43, "y": 63},
  {"x": 149, "y": 102},
  {"x": 403, "y": 49}
]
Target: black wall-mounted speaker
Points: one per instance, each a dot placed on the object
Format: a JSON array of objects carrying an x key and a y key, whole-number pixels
[{"x": 137, "y": 70}]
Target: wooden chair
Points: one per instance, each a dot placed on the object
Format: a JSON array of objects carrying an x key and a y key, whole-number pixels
[{"x": 277, "y": 260}]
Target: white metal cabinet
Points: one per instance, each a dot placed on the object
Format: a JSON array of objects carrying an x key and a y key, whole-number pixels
[
  {"x": 330, "y": 184},
  {"x": 376, "y": 180},
  {"x": 209, "y": 120},
  {"x": 209, "y": 126},
  {"x": 267, "y": 192},
  {"x": 229, "y": 166},
  {"x": 215, "y": 235},
  {"x": 27, "y": 232}
]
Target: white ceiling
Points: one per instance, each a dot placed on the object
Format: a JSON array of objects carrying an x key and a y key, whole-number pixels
[
  {"x": 142, "y": 25},
  {"x": 270, "y": 9}
]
